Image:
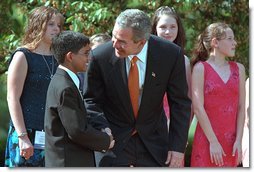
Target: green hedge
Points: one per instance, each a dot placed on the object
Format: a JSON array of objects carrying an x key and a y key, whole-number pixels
[
  {"x": 4, "y": 117},
  {"x": 2, "y": 146}
]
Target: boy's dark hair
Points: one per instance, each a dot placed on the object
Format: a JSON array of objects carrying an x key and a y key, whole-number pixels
[{"x": 68, "y": 41}]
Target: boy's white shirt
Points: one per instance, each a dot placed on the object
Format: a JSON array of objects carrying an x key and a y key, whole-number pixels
[{"x": 73, "y": 76}]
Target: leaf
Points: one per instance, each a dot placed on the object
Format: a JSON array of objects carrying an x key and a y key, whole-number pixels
[{"x": 70, "y": 19}]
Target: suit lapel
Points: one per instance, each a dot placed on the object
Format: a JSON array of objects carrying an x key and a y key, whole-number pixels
[
  {"x": 119, "y": 77},
  {"x": 67, "y": 77},
  {"x": 119, "y": 65},
  {"x": 151, "y": 65}
]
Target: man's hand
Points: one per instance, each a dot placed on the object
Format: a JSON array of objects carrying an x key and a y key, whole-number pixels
[
  {"x": 175, "y": 159},
  {"x": 112, "y": 141}
]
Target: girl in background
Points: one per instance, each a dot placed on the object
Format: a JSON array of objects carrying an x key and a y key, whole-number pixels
[{"x": 167, "y": 24}]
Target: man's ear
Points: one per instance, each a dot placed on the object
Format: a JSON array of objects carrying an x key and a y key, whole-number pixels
[{"x": 142, "y": 42}]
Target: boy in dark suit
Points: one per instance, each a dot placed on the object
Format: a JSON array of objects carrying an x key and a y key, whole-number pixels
[{"x": 69, "y": 139}]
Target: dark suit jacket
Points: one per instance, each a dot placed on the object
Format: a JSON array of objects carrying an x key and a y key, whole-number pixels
[
  {"x": 107, "y": 96},
  {"x": 70, "y": 140}
]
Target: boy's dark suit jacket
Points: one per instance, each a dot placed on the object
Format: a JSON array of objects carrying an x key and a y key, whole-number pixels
[
  {"x": 107, "y": 95},
  {"x": 70, "y": 140}
]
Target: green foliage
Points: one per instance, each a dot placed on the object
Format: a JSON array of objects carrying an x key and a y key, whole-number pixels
[
  {"x": 94, "y": 16},
  {"x": 197, "y": 15},
  {"x": 10, "y": 31},
  {"x": 4, "y": 117}
]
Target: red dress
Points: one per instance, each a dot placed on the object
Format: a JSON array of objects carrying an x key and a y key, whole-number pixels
[
  {"x": 221, "y": 105},
  {"x": 165, "y": 106}
]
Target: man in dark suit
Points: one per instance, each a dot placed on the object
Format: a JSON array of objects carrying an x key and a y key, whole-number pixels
[
  {"x": 69, "y": 138},
  {"x": 140, "y": 131}
]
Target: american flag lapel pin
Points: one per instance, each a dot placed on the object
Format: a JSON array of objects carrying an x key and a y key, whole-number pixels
[{"x": 153, "y": 74}]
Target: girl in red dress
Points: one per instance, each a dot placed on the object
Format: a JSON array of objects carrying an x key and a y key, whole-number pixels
[{"x": 218, "y": 99}]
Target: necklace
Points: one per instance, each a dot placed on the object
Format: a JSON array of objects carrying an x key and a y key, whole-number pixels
[{"x": 51, "y": 72}]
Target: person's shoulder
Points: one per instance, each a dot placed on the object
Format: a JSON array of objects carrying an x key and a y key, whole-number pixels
[
  {"x": 61, "y": 81},
  {"x": 156, "y": 40},
  {"x": 103, "y": 50},
  {"x": 187, "y": 60},
  {"x": 198, "y": 67},
  {"x": 159, "y": 42},
  {"x": 240, "y": 66},
  {"x": 241, "y": 69},
  {"x": 18, "y": 55},
  {"x": 23, "y": 51},
  {"x": 108, "y": 46}
]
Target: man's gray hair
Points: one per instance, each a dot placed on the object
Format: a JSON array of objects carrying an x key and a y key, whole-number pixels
[{"x": 138, "y": 21}]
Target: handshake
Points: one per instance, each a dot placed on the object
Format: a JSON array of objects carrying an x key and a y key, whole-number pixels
[{"x": 112, "y": 141}]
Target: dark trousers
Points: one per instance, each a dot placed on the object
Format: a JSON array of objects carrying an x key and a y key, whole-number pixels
[{"x": 135, "y": 154}]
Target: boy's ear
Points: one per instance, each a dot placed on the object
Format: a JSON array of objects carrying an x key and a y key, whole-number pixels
[{"x": 68, "y": 57}]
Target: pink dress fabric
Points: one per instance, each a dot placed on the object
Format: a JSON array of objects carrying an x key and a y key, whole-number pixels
[
  {"x": 221, "y": 105},
  {"x": 165, "y": 106}
]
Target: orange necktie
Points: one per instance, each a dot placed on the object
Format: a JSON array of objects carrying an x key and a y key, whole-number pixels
[{"x": 133, "y": 84}]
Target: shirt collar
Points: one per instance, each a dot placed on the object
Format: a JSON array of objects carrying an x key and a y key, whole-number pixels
[
  {"x": 73, "y": 76},
  {"x": 142, "y": 54}
]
